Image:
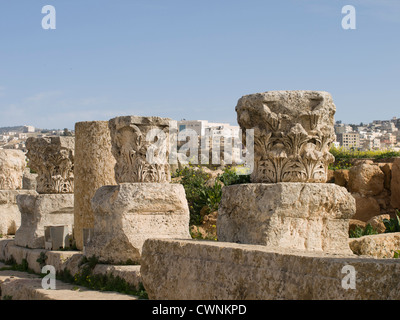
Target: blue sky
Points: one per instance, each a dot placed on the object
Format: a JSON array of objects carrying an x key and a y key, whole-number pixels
[{"x": 192, "y": 59}]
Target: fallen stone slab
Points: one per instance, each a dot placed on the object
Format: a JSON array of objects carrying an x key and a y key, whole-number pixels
[
  {"x": 378, "y": 245},
  {"x": 17, "y": 285},
  {"x": 208, "y": 270},
  {"x": 130, "y": 273},
  {"x": 64, "y": 260}
]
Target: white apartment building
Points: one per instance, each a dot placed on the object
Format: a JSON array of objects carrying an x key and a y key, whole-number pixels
[
  {"x": 29, "y": 129},
  {"x": 342, "y": 128},
  {"x": 218, "y": 134},
  {"x": 349, "y": 139}
]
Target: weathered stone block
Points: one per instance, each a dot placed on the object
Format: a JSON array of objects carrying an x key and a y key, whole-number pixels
[
  {"x": 211, "y": 270},
  {"x": 53, "y": 160},
  {"x": 377, "y": 222},
  {"x": 366, "y": 179},
  {"x": 366, "y": 207},
  {"x": 93, "y": 168},
  {"x": 10, "y": 216},
  {"x": 12, "y": 165},
  {"x": 40, "y": 211},
  {"x": 128, "y": 214},
  {"x": 307, "y": 216},
  {"x": 378, "y": 245},
  {"x": 293, "y": 132}
]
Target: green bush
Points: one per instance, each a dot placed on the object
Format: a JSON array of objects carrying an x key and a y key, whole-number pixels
[
  {"x": 393, "y": 224},
  {"x": 230, "y": 177},
  {"x": 359, "y": 231},
  {"x": 194, "y": 182},
  {"x": 344, "y": 156},
  {"x": 201, "y": 194}
]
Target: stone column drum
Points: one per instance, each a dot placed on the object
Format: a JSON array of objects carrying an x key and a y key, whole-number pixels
[
  {"x": 93, "y": 168},
  {"x": 144, "y": 204},
  {"x": 53, "y": 160},
  {"x": 288, "y": 204}
]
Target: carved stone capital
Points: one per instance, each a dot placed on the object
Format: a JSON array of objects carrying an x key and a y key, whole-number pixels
[
  {"x": 293, "y": 132},
  {"x": 52, "y": 158},
  {"x": 140, "y": 146}
]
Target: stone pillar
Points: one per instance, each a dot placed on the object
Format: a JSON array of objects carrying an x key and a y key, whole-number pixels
[
  {"x": 53, "y": 160},
  {"x": 288, "y": 204},
  {"x": 93, "y": 168},
  {"x": 143, "y": 204}
]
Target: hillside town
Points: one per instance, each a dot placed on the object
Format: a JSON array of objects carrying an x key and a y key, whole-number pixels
[{"x": 378, "y": 135}]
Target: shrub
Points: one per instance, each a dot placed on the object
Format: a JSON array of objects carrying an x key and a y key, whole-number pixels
[
  {"x": 359, "y": 231},
  {"x": 393, "y": 224},
  {"x": 230, "y": 177},
  {"x": 344, "y": 156}
]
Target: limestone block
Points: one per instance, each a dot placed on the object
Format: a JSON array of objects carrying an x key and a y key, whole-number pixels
[
  {"x": 378, "y": 245},
  {"x": 213, "y": 270},
  {"x": 366, "y": 207},
  {"x": 293, "y": 132},
  {"x": 40, "y": 211},
  {"x": 377, "y": 222},
  {"x": 93, "y": 168},
  {"x": 130, "y": 273},
  {"x": 140, "y": 156},
  {"x": 366, "y": 179},
  {"x": 53, "y": 160},
  {"x": 12, "y": 165},
  {"x": 128, "y": 214},
  {"x": 10, "y": 216},
  {"x": 306, "y": 216},
  {"x": 395, "y": 184}
]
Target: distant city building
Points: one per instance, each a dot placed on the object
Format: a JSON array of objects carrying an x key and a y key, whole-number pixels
[
  {"x": 29, "y": 129},
  {"x": 349, "y": 140},
  {"x": 342, "y": 128},
  {"x": 217, "y": 134}
]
